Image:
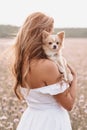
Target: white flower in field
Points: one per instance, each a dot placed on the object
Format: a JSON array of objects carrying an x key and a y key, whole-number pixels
[
  {"x": 21, "y": 109},
  {"x": 16, "y": 120},
  {"x": 1, "y": 125},
  {"x": 74, "y": 114},
  {"x": 81, "y": 99},
  {"x": 4, "y": 99},
  {"x": 85, "y": 106},
  {"x": 85, "y": 111},
  {"x": 3, "y": 118},
  {"x": 5, "y": 108},
  {"x": 82, "y": 96}
]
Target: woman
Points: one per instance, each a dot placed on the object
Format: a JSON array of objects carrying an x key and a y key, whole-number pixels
[{"x": 39, "y": 81}]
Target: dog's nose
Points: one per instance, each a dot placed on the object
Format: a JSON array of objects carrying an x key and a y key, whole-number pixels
[{"x": 54, "y": 47}]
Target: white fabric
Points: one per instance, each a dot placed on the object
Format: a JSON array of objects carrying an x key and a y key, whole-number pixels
[{"x": 43, "y": 112}]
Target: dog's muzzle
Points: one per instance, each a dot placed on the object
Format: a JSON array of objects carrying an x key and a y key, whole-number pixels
[{"x": 54, "y": 47}]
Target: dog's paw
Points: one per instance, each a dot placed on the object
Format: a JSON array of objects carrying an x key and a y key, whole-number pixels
[
  {"x": 61, "y": 69},
  {"x": 70, "y": 77}
]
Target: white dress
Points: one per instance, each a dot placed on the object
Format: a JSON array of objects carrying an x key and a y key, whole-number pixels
[{"x": 43, "y": 112}]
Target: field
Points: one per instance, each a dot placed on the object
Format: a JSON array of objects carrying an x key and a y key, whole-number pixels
[{"x": 11, "y": 108}]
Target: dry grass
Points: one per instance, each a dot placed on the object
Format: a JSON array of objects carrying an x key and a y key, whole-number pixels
[{"x": 11, "y": 108}]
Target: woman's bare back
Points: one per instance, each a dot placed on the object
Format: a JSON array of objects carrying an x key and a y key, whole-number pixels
[{"x": 35, "y": 77}]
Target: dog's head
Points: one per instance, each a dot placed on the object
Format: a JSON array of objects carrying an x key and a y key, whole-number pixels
[{"x": 53, "y": 42}]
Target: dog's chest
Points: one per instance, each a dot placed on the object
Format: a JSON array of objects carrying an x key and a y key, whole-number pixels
[{"x": 55, "y": 57}]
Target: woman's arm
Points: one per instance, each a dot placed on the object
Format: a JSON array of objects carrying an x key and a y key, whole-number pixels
[
  {"x": 67, "y": 98},
  {"x": 51, "y": 75}
]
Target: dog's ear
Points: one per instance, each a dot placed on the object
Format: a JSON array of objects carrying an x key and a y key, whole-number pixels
[
  {"x": 45, "y": 34},
  {"x": 61, "y": 35}
]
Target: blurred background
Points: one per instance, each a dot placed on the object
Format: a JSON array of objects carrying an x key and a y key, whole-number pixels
[{"x": 69, "y": 16}]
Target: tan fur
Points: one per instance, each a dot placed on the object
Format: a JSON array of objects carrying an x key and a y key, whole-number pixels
[{"x": 52, "y": 46}]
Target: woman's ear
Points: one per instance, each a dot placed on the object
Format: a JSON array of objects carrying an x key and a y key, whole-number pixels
[{"x": 45, "y": 34}]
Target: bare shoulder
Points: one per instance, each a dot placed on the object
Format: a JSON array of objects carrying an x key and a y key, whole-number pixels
[
  {"x": 44, "y": 64},
  {"x": 47, "y": 63},
  {"x": 49, "y": 71}
]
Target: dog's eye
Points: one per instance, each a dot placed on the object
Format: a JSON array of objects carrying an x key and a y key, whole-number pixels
[
  {"x": 57, "y": 42},
  {"x": 50, "y": 43}
]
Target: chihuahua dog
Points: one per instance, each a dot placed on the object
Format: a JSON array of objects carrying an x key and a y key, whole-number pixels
[{"x": 52, "y": 46}]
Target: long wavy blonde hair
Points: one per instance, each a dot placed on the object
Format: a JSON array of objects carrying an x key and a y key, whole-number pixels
[{"x": 28, "y": 45}]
